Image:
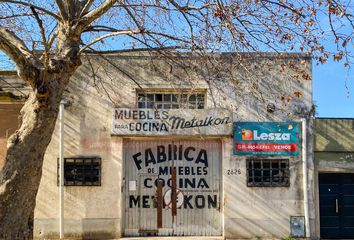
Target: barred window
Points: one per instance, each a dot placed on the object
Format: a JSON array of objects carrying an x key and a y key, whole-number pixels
[
  {"x": 268, "y": 173},
  {"x": 82, "y": 171},
  {"x": 171, "y": 100}
]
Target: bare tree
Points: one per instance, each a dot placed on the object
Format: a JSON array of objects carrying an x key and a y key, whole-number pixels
[{"x": 46, "y": 40}]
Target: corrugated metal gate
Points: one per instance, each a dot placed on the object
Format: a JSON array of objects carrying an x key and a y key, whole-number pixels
[{"x": 172, "y": 188}]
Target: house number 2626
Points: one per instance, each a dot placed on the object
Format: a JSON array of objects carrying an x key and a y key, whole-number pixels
[{"x": 234, "y": 171}]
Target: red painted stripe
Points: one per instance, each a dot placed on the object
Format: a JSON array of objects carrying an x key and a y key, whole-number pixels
[{"x": 266, "y": 147}]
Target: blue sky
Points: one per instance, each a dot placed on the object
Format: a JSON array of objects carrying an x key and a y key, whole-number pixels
[
  {"x": 333, "y": 84},
  {"x": 333, "y": 89}
]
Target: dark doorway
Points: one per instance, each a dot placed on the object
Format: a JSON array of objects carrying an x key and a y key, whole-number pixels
[{"x": 336, "y": 205}]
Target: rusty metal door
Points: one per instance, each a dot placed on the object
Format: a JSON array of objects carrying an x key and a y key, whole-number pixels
[{"x": 172, "y": 188}]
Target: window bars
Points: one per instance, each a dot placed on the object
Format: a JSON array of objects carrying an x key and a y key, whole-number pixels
[
  {"x": 268, "y": 173},
  {"x": 171, "y": 100},
  {"x": 82, "y": 171}
]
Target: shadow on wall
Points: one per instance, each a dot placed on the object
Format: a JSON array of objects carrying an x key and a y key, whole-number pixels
[
  {"x": 260, "y": 211},
  {"x": 334, "y": 135},
  {"x": 284, "y": 83},
  {"x": 87, "y": 133},
  {"x": 263, "y": 212},
  {"x": 9, "y": 113},
  {"x": 94, "y": 92}
]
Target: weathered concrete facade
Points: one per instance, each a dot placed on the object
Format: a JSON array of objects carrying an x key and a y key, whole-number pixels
[
  {"x": 334, "y": 136},
  {"x": 253, "y": 87},
  {"x": 334, "y": 154}
]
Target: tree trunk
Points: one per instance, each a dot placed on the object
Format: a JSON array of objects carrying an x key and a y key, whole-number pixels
[{"x": 21, "y": 173}]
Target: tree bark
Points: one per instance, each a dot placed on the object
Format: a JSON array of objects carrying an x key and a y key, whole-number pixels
[
  {"x": 21, "y": 173},
  {"x": 22, "y": 170}
]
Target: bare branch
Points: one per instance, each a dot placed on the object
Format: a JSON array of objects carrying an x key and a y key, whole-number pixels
[
  {"x": 16, "y": 16},
  {"x": 182, "y": 11},
  {"x": 133, "y": 17},
  {"x": 100, "y": 28},
  {"x": 15, "y": 48},
  {"x": 283, "y": 5},
  {"x": 128, "y": 32},
  {"x": 44, "y": 39},
  {"x": 52, "y": 39},
  {"x": 72, "y": 9},
  {"x": 91, "y": 16},
  {"x": 31, "y": 5},
  {"x": 184, "y": 8},
  {"x": 61, "y": 9},
  {"x": 86, "y": 7},
  {"x": 147, "y": 49}
]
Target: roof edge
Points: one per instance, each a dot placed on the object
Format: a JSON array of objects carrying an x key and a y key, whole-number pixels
[
  {"x": 8, "y": 72},
  {"x": 280, "y": 55},
  {"x": 334, "y": 118}
]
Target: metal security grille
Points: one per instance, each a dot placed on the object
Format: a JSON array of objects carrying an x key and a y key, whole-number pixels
[
  {"x": 268, "y": 173},
  {"x": 171, "y": 100},
  {"x": 82, "y": 171},
  {"x": 172, "y": 187}
]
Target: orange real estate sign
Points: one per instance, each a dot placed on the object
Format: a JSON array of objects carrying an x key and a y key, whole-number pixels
[{"x": 267, "y": 138}]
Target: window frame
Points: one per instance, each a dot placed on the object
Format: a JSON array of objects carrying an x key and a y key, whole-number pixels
[
  {"x": 162, "y": 103},
  {"x": 251, "y": 182},
  {"x": 84, "y": 160}
]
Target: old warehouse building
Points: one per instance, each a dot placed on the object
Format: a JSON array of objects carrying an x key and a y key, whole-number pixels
[
  {"x": 139, "y": 130},
  {"x": 187, "y": 145}
]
